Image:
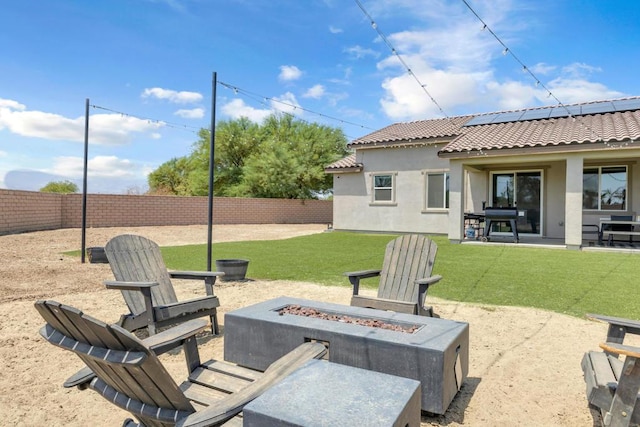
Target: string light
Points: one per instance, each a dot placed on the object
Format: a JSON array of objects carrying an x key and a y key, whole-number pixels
[
  {"x": 402, "y": 61},
  {"x": 506, "y": 50},
  {"x": 163, "y": 123},
  {"x": 264, "y": 100}
]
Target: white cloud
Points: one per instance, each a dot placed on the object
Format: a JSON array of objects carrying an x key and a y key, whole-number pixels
[
  {"x": 286, "y": 103},
  {"x": 315, "y": 92},
  {"x": 194, "y": 113},
  {"x": 237, "y": 108},
  {"x": 542, "y": 68},
  {"x": 107, "y": 129},
  {"x": 406, "y": 100},
  {"x": 11, "y": 104},
  {"x": 570, "y": 91},
  {"x": 3, "y": 153},
  {"x": 99, "y": 166},
  {"x": 182, "y": 97},
  {"x": 359, "y": 52},
  {"x": 335, "y": 30},
  {"x": 461, "y": 66},
  {"x": 579, "y": 70},
  {"x": 289, "y": 73},
  {"x": 512, "y": 95}
]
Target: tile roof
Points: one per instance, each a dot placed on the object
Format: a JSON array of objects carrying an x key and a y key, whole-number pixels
[
  {"x": 608, "y": 127},
  {"x": 348, "y": 162},
  {"x": 548, "y": 132},
  {"x": 414, "y": 131}
]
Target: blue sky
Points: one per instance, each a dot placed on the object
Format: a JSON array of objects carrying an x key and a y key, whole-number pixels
[{"x": 146, "y": 66}]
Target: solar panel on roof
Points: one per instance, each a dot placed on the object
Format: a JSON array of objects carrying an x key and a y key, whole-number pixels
[
  {"x": 626, "y": 104},
  {"x": 598, "y": 108},
  {"x": 542, "y": 113},
  {"x": 512, "y": 116},
  {"x": 481, "y": 120},
  {"x": 556, "y": 112}
]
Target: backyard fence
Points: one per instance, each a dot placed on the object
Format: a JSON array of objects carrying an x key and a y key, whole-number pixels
[{"x": 22, "y": 211}]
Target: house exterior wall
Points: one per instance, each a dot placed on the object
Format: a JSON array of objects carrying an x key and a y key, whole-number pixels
[
  {"x": 562, "y": 217},
  {"x": 353, "y": 201}
]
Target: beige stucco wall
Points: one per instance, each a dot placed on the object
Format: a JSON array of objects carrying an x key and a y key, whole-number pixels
[{"x": 353, "y": 207}]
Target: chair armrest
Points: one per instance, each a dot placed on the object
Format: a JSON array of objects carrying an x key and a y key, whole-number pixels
[
  {"x": 629, "y": 325},
  {"x": 429, "y": 280},
  {"x": 129, "y": 286},
  {"x": 356, "y": 276},
  {"x": 183, "y": 334},
  {"x": 195, "y": 275},
  {"x": 621, "y": 349},
  {"x": 174, "y": 336},
  {"x": 363, "y": 274},
  {"x": 80, "y": 379}
]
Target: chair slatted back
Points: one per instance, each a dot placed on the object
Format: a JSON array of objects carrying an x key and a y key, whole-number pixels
[
  {"x": 127, "y": 372},
  {"x": 407, "y": 258},
  {"x": 137, "y": 259}
]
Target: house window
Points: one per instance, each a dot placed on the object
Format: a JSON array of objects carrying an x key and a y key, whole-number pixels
[
  {"x": 383, "y": 188},
  {"x": 437, "y": 186},
  {"x": 605, "y": 188}
]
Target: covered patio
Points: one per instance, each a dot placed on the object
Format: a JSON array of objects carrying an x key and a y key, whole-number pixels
[{"x": 565, "y": 178}]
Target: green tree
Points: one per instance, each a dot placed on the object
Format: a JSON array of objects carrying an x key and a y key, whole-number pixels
[
  {"x": 62, "y": 187},
  {"x": 283, "y": 158},
  {"x": 170, "y": 178}
]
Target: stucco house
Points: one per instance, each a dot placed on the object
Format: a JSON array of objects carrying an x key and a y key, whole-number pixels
[{"x": 560, "y": 167}]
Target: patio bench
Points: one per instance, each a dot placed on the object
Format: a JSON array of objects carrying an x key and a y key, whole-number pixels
[{"x": 610, "y": 233}]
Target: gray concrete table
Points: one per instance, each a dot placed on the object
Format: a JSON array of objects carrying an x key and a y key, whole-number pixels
[{"x": 327, "y": 394}]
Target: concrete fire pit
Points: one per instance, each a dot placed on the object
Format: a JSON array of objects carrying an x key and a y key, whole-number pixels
[{"x": 436, "y": 353}]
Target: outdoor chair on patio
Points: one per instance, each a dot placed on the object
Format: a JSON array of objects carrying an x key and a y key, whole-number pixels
[
  {"x": 127, "y": 372},
  {"x": 145, "y": 283},
  {"x": 404, "y": 279},
  {"x": 613, "y": 383}
]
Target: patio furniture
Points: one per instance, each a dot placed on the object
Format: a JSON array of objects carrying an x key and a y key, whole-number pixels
[
  {"x": 612, "y": 384},
  {"x": 404, "y": 279},
  {"x": 145, "y": 283},
  {"x": 507, "y": 215},
  {"x": 619, "y": 225},
  {"x": 127, "y": 372}
]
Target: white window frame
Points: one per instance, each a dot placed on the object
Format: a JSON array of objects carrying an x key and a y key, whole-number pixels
[
  {"x": 599, "y": 195},
  {"x": 425, "y": 192},
  {"x": 392, "y": 188}
]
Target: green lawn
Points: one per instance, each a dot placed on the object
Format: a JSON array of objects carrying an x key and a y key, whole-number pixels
[{"x": 571, "y": 282}]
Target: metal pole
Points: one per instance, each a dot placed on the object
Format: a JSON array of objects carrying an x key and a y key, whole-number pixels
[
  {"x": 84, "y": 181},
  {"x": 212, "y": 144}
]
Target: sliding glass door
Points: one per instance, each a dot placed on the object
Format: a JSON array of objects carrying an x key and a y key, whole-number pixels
[{"x": 523, "y": 191}]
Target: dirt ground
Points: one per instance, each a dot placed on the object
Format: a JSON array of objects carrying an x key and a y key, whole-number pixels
[{"x": 524, "y": 367}]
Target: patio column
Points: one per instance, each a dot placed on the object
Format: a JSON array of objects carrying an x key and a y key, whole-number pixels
[
  {"x": 573, "y": 203},
  {"x": 456, "y": 213}
]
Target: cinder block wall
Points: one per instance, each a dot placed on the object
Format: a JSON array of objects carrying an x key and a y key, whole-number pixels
[{"x": 22, "y": 211}]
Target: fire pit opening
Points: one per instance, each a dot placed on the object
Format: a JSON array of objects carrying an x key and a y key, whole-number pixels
[{"x": 298, "y": 310}]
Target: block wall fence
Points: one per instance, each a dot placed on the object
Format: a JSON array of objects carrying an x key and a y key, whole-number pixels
[{"x": 22, "y": 211}]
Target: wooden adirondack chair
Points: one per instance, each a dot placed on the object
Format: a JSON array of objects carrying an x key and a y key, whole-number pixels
[
  {"x": 145, "y": 283},
  {"x": 127, "y": 372},
  {"x": 404, "y": 279},
  {"x": 612, "y": 383}
]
